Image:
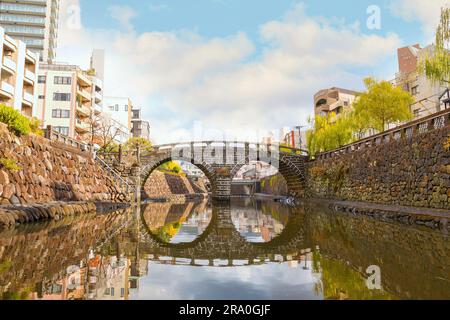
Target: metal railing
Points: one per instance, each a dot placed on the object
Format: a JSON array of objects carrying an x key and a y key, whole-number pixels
[
  {"x": 124, "y": 183},
  {"x": 409, "y": 130}
]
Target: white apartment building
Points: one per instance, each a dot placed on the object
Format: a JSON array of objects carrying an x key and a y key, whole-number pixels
[
  {"x": 34, "y": 22},
  {"x": 18, "y": 75},
  {"x": 426, "y": 93},
  {"x": 119, "y": 108},
  {"x": 70, "y": 100}
]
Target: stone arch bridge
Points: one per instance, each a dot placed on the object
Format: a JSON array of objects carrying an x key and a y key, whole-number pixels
[{"x": 218, "y": 160}]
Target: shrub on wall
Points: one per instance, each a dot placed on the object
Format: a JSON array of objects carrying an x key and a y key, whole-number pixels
[
  {"x": 447, "y": 143},
  {"x": 9, "y": 164},
  {"x": 35, "y": 127},
  {"x": 15, "y": 121}
]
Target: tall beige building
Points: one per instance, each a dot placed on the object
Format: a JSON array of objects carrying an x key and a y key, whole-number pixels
[
  {"x": 35, "y": 22},
  {"x": 70, "y": 99},
  {"x": 18, "y": 75},
  {"x": 426, "y": 93}
]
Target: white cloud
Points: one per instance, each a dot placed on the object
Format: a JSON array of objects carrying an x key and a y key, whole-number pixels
[
  {"x": 123, "y": 14},
  {"x": 220, "y": 82},
  {"x": 427, "y": 12}
]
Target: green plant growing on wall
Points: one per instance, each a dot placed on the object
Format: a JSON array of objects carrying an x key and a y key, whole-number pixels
[
  {"x": 35, "y": 127},
  {"x": 447, "y": 143},
  {"x": 9, "y": 164},
  {"x": 16, "y": 122}
]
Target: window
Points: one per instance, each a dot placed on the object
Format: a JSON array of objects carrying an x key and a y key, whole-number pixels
[
  {"x": 41, "y": 97},
  {"x": 122, "y": 292},
  {"x": 416, "y": 113},
  {"x": 62, "y": 130},
  {"x": 126, "y": 108},
  {"x": 59, "y": 113},
  {"x": 61, "y": 96},
  {"x": 42, "y": 79},
  {"x": 63, "y": 80},
  {"x": 415, "y": 90},
  {"x": 112, "y": 292},
  {"x": 345, "y": 103},
  {"x": 117, "y": 107}
]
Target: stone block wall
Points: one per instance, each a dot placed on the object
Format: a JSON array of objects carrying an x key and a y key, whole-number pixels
[
  {"x": 409, "y": 172},
  {"x": 166, "y": 185},
  {"x": 50, "y": 172}
]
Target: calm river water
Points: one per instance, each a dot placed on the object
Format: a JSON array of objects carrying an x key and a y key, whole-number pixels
[{"x": 249, "y": 250}]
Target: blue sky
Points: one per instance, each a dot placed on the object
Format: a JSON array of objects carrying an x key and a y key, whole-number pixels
[
  {"x": 239, "y": 68},
  {"x": 214, "y": 18}
]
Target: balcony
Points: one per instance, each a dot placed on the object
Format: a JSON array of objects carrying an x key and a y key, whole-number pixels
[
  {"x": 9, "y": 65},
  {"x": 83, "y": 80},
  {"x": 84, "y": 95},
  {"x": 81, "y": 126},
  {"x": 10, "y": 43},
  {"x": 31, "y": 57},
  {"x": 97, "y": 109},
  {"x": 28, "y": 98},
  {"x": 30, "y": 77},
  {"x": 98, "y": 97},
  {"x": 7, "y": 90},
  {"x": 83, "y": 111}
]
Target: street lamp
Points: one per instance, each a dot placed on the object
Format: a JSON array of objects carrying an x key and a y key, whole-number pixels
[{"x": 299, "y": 128}]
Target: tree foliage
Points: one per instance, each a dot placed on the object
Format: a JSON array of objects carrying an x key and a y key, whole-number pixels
[
  {"x": 379, "y": 106},
  {"x": 171, "y": 166},
  {"x": 133, "y": 143},
  {"x": 382, "y": 104},
  {"x": 436, "y": 63}
]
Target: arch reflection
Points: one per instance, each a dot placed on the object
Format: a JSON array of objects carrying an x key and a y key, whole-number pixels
[
  {"x": 176, "y": 223},
  {"x": 259, "y": 223}
]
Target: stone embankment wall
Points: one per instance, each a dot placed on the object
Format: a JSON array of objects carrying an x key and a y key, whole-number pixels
[
  {"x": 174, "y": 187},
  {"x": 409, "y": 172},
  {"x": 50, "y": 171}
]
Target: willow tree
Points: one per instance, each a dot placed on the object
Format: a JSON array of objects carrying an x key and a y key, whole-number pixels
[
  {"x": 329, "y": 132},
  {"x": 436, "y": 64},
  {"x": 383, "y": 104}
]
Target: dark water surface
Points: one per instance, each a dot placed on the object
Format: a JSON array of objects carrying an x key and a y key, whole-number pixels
[{"x": 249, "y": 250}]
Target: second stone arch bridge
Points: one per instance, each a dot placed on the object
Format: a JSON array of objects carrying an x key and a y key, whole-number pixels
[{"x": 218, "y": 160}]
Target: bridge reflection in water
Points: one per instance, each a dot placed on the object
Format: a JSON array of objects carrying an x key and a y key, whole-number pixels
[{"x": 246, "y": 250}]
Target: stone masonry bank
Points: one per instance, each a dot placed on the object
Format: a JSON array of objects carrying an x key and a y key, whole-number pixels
[
  {"x": 411, "y": 171},
  {"x": 51, "y": 172}
]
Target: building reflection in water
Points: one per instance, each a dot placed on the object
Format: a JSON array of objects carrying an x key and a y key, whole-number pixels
[{"x": 249, "y": 251}]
